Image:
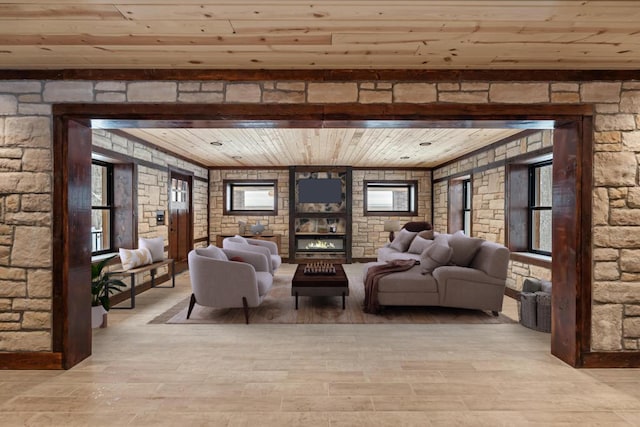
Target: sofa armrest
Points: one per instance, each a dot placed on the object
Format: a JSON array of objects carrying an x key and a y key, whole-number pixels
[
  {"x": 448, "y": 272},
  {"x": 259, "y": 261},
  {"x": 273, "y": 248}
]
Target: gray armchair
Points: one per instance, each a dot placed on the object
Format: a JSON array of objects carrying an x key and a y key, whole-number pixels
[
  {"x": 269, "y": 249},
  {"x": 216, "y": 281}
]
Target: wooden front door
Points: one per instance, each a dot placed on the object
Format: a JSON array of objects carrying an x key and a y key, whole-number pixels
[{"x": 180, "y": 224}]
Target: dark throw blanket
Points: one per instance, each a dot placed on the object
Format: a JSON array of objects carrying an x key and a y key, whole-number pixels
[{"x": 373, "y": 277}]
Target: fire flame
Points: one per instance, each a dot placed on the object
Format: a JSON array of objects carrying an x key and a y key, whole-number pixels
[{"x": 320, "y": 244}]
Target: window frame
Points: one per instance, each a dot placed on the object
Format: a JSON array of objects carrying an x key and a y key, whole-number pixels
[
  {"x": 229, "y": 184},
  {"x": 412, "y": 185},
  {"x": 467, "y": 194},
  {"x": 109, "y": 207},
  {"x": 533, "y": 207}
]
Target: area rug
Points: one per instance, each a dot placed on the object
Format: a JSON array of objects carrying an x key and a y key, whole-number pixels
[{"x": 279, "y": 307}]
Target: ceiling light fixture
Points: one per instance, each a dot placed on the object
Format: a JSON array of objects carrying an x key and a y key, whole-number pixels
[
  {"x": 216, "y": 143},
  {"x": 236, "y": 157},
  {"x": 404, "y": 157},
  {"x": 425, "y": 144}
]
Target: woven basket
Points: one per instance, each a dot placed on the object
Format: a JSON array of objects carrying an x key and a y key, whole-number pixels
[
  {"x": 528, "y": 312},
  {"x": 543, "y": 308}
]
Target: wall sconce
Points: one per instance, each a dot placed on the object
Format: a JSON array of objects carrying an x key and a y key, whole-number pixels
[{"x": 391, "y": 225}]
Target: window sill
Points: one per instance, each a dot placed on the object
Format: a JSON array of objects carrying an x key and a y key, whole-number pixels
[
  {"x": 531, "y": 258},
  {"x": 98, "y": 258}
]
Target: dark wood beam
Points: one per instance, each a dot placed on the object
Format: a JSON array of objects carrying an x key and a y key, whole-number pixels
[{"x": 399, "y": 75}]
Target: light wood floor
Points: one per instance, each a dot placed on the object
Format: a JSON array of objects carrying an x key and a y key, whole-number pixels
[{"x": 316, "y": 375}]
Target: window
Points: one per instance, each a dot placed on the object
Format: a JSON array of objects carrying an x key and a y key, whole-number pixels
[
  {"x": 101, "y": 207},
  {"x": 540, "y": 196},
  {"x": 528, "y": 188},
  {"x": 390, "y": 197},
  {"x": 179, "y": 191},
  {"x": 466, "y": 207},
  {"x": 248, "y": 197}
]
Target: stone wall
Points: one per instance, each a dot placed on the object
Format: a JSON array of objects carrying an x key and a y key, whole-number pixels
[
  {"x": 488, "y": 196},
  {"x": 368, "y": 231},
  {"x": 440, "y": 203},
  {"x": 228, "y": 224},
  {"x": 26, "y": 176},
  {"x": 153, "y": 188}
]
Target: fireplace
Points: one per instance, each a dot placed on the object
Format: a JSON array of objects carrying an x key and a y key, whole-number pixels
[{"x": 320, "y": 243}]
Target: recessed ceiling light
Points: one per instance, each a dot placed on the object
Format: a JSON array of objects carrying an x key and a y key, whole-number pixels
[
  {"x": 236, "y": 157},
  {"x": 404, "y": 157},
  {"x": 216, "y": 143},
  {"x": 425, "y": 144}
]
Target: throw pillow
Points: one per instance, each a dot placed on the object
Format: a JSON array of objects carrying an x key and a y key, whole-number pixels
[
  {"x": 237, "y": 259},
  {"x": 464, "y": 248},
  {"x": 155, "y": 246},
  {"x": 426, "y": 234},
  {"x": 402, "y": 240},
  {"x": 417, "y": 226},
  {"x": 212, "y": 251},
  {"x": 132, "y": 258},
  {"x": 418, "y": 245},
  {"x": 434, "y": 256}
]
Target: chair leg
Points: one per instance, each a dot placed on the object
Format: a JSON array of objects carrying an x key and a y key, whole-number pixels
[
  {"x": 246, "y": 309},
  {"x": 192, "y": 302}
]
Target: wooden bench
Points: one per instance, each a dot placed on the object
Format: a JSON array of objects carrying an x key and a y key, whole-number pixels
[{"x": 149, "y": 267}]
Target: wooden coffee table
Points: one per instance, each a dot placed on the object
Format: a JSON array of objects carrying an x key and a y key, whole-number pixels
[{"x": 320, "y": 285}]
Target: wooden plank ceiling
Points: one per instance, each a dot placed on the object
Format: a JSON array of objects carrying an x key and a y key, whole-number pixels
[
  {"x": 321, "y": 34},
  {"x": 358, "y": 147}
]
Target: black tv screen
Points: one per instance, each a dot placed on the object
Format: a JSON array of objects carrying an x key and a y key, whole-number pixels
[{"x": 320, "y": 190}]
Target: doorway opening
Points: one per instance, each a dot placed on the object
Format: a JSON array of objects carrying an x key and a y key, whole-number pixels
[{"x": 571, "y": 211}]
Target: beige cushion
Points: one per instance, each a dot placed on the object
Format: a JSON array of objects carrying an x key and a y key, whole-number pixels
[
  {"x": 402, "y": 240},
  {"x": 155, "y": 246},
  {"x": 464, "y": 248},
  {"x": 418, "y": 245},
  {"x": 434, "y": 256},
  {"x": 132, "y": 258}
]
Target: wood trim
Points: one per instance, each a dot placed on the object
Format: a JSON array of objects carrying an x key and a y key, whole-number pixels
[
  {"x": 603, "y": 359},
  {"x": 197, "y": 178},
  {"x": 517, "y": 207},
  {"x": 585, "y": 247},
  {"x": 500, "y": 163},
  {"x": 227, "y": 211},
  {"x": 408, "y": 182},
  {"x": 127, "y": 159},
  {"x": 400, "y": 75},
  {"x": 523, "y": 134},
  {"x": 322, "y": 115},
  {"x": 200, "y": 240},
  {"x": 71, "y": 311},
  {"x": 571, "y": 301},
  {"x": 44, "y": 360},
  {"x": 531, "y": 260},
  {"x": 147, "y": 144},
  {"x": 571, "y": 313},
  {"x": 512, "y": 293}
]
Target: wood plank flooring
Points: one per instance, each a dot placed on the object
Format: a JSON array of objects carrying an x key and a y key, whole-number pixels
[{"x": 334, "y": 375}]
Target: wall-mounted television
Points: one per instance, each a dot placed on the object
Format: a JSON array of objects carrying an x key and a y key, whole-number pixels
[{"x": 312, "y": 190}]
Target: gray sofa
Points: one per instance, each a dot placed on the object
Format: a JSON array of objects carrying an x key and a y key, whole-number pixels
[{"x": 473, "y": 277}]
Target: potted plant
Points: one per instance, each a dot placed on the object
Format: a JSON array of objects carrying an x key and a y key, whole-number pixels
[{"x": 101, "y": 287}]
